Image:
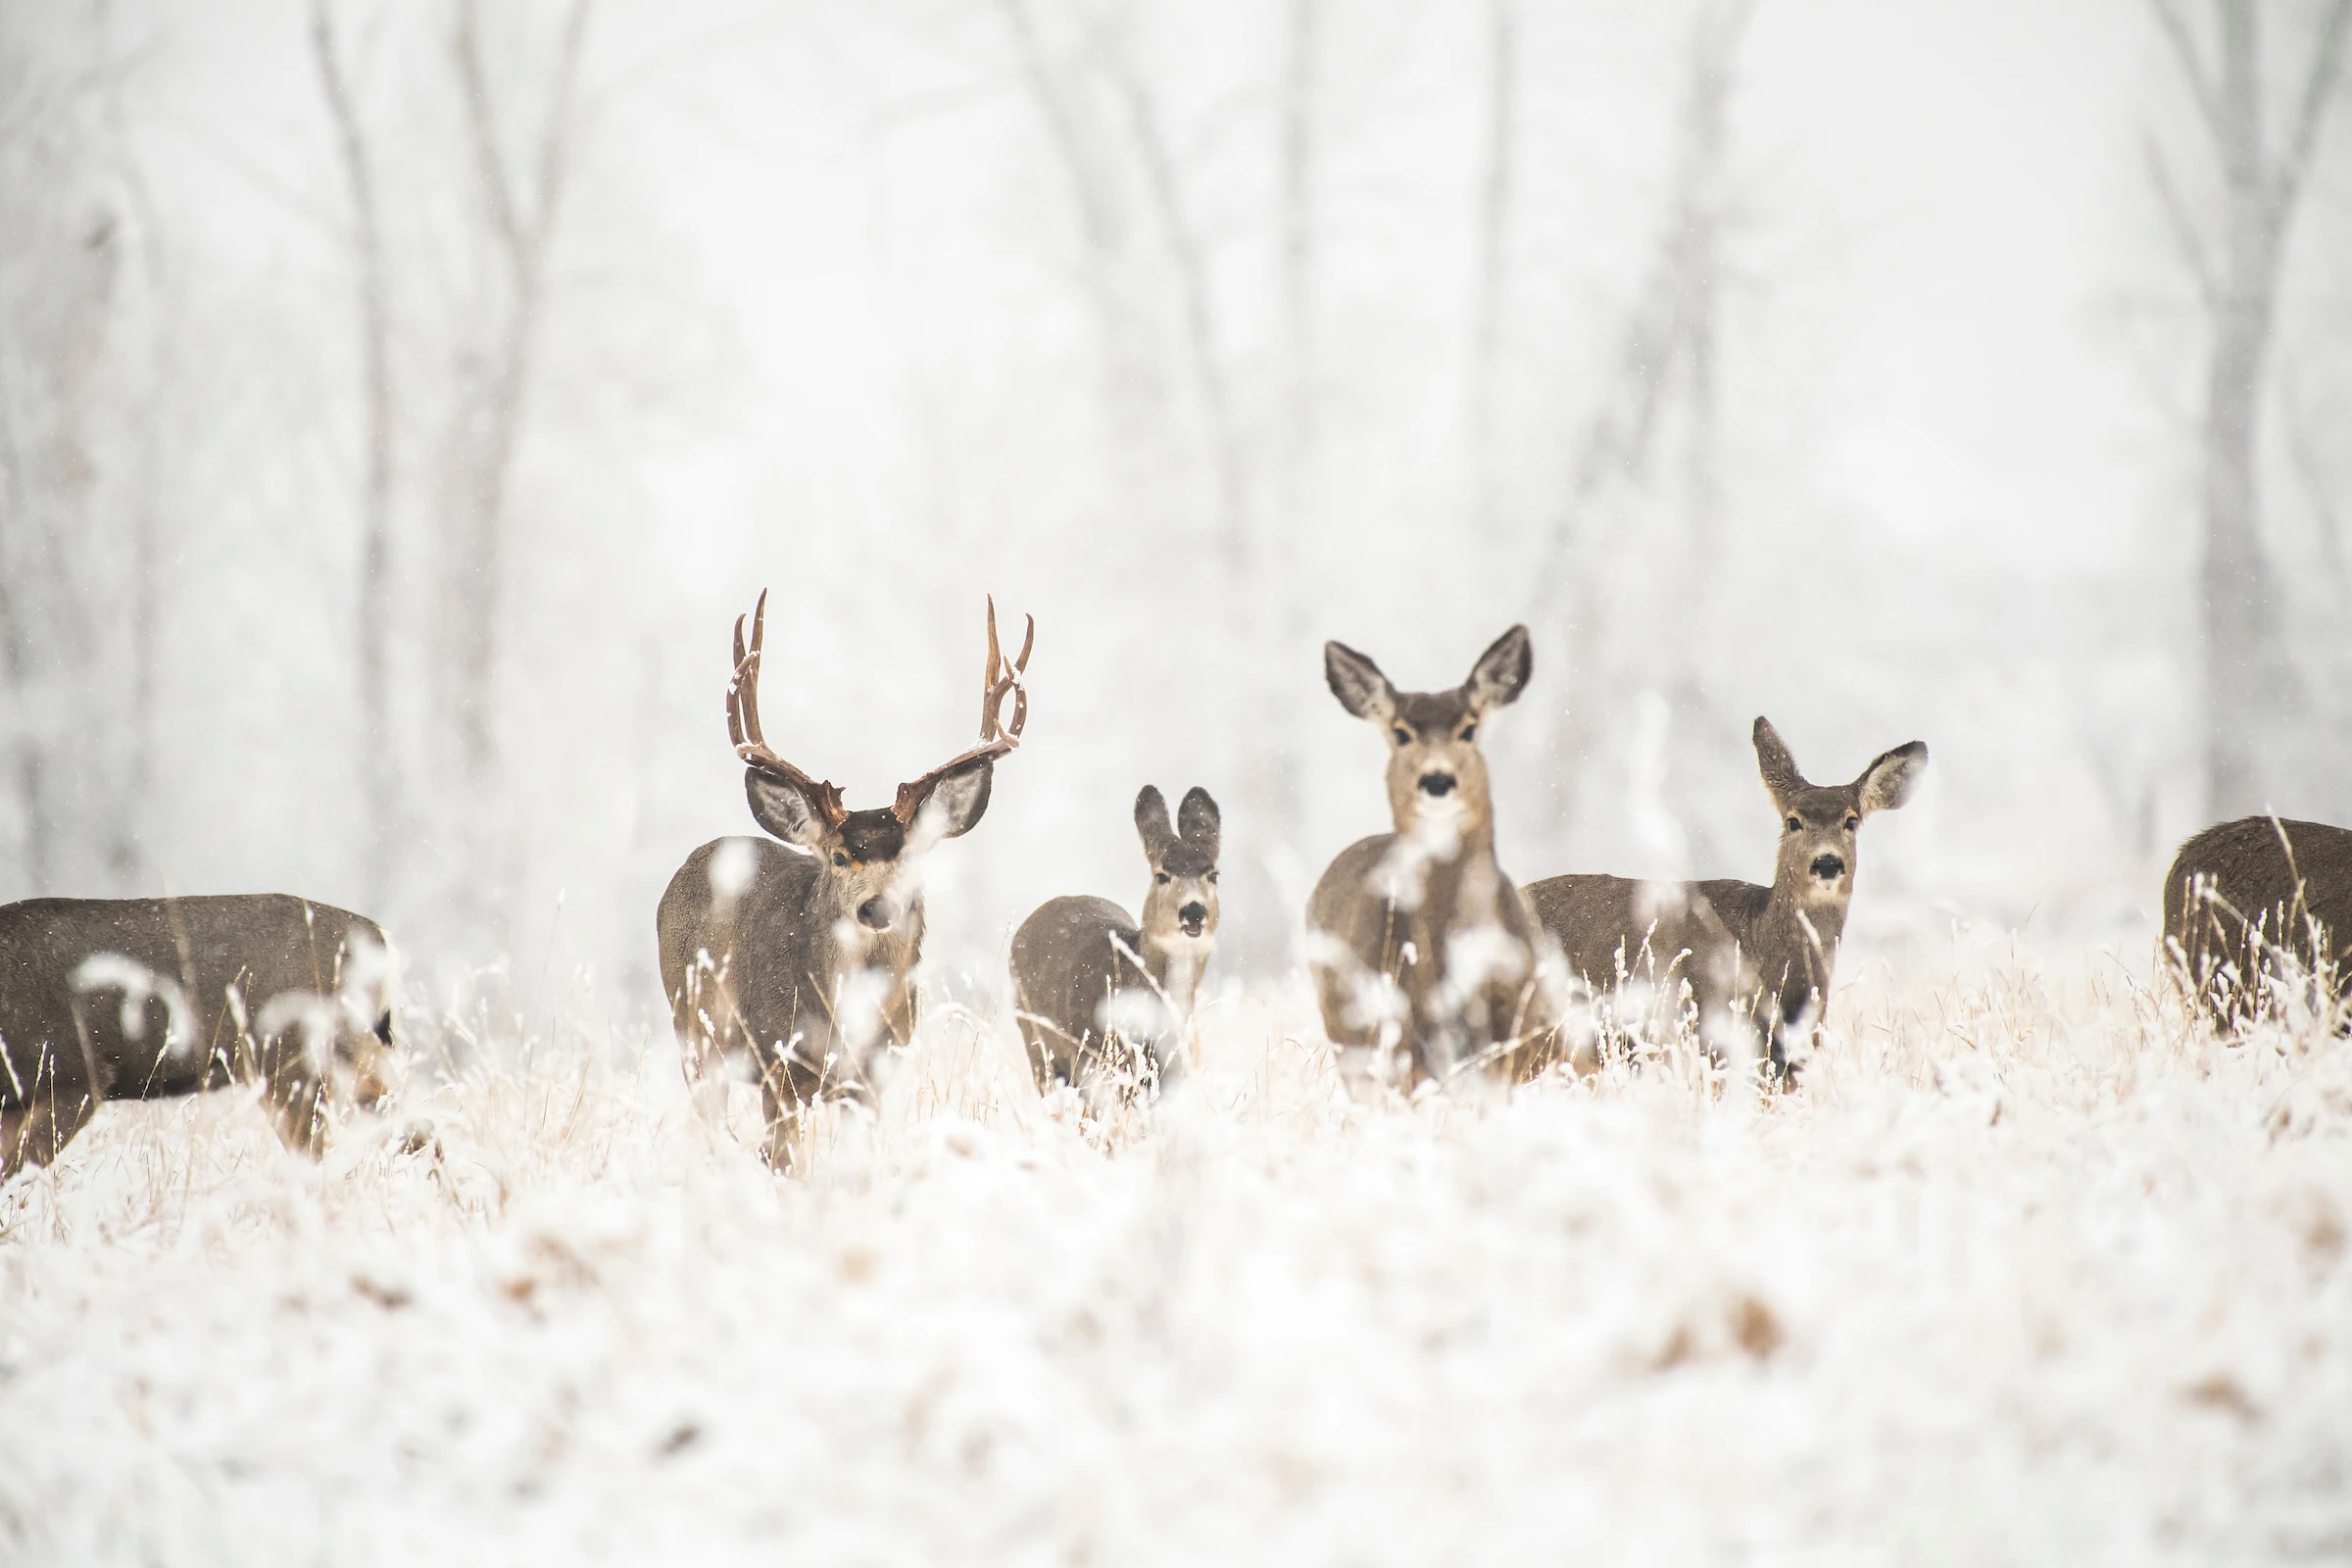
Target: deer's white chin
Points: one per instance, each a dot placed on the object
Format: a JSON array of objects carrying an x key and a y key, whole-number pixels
[{"x": 1438, "y": 822}]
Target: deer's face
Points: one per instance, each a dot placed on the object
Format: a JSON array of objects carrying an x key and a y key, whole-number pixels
[
  {"x": 1817, "y": 844},
  {"x": 869, "y": 862},
  {"x": 868, "y": 874},
  {"x": 1820, "y": 823},
  {"x": 1437, "y": 775},
  {"x": 1180, "y": 911}
]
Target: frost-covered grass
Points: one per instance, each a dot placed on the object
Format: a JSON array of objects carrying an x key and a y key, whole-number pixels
[{"x": 2018, "y": 1277}]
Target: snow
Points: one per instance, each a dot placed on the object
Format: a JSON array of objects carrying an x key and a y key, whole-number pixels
[{"x": 2027, "y": 1271}]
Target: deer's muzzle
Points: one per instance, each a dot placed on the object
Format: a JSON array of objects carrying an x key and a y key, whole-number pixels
[
  {"x": 1440, "y": 785},
  {"x": 1192, "y": 918},
  {"x": 1828, "y": 867},
  {"x": 875, "y": 914}
]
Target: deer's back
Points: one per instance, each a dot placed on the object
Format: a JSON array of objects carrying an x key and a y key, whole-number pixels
[
  {"x": 745, "y": 902},
  {"x": 264, "y": 944},
  {"x": 2273, "y": 871},
  {"x": 1069, "y": 958},
  {"x": 1597, "y": 919}
]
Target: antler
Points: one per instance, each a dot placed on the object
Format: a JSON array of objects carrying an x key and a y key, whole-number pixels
[
  {"x": 742, "y": 725},
  {"x": 998, "y": 680}
]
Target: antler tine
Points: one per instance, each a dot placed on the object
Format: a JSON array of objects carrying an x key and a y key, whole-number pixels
[
  {"x": 745, "y": 689},
  {"x": 998, "y": 678},
  {"x": 743, "y": 720},
  {"x": 1002, "y": 677}
]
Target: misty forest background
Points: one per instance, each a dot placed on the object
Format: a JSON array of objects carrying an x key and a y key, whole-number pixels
[{"x": 398, "y": 401}]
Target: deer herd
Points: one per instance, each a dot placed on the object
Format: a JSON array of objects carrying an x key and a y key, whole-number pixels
[{"x": 789, "y": 961}]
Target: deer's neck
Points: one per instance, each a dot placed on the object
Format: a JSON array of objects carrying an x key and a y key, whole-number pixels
[
  {"x": 1798, "y": 937},
  {"x": 1176, "y": 969}
]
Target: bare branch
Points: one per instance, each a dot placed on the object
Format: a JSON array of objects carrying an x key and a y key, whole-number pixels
[
  {"x": 2181, "y": 223},
  {"x": 1093, "y": 211},
  {"x": 552, "y": 142},
  {"x": 1199, "y": 306},
  {"x": 2319, "y": 89},
  {"x": 2201, "y": 86},
  {"x": 481, "y": 123}
]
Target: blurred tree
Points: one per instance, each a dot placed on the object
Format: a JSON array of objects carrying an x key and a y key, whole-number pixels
[
  {"x": 2252, "y": 689},
  {"x": 1666, "y": 383},
  {"x": 372, "y": 623},
  {"x": 80, "y": 340}
]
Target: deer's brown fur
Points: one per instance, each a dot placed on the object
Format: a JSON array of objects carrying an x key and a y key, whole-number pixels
[
  {"x": 140, "y": 998},
  {"x": 2242, "y": 896},
  {"x": 1758, "y": 959},
  {"x": 1418, "y": 940},
  {"x": 1080, "y": 964}
]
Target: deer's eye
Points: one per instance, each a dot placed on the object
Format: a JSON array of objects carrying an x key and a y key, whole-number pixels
[
  {"x": 1795, "y": 826},
  {"x": 1213, "y": 879},
  {"x": 1469, "y": 732},
  {"x": 1852, "y": 823},
  {"x": 839, "y": 859},
  {"x": 1160, "y": 877},
  {"x": 1404, "y": 738}
]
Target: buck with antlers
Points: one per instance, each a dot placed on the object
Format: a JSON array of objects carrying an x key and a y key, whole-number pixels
[{"x": 789, "y": 965}]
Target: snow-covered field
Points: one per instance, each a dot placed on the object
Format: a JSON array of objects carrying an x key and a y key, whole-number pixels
[{"x": 2026, "y": 1273}]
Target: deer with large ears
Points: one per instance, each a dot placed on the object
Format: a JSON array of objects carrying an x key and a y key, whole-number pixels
[
  {"x": 1758, "y": 961},
  {"x": 789, "y": 962},
  {"x": 1418, "y": 941},
  {"x": 1098, "y": 995}
]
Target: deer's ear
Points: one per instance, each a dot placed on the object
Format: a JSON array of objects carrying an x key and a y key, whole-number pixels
[
  {"x": 1780, "y": 777},
  {"x": 957, "y": 799},
  {"x": 1888, "y": 782},
  {"x": 1198, "y": 821},
  {"x": 1501, "y": 671},
  {"x": 1152, "y": 821},
  {"x": 1358, "y": 683},
  {"x": 784, "y": 809}
]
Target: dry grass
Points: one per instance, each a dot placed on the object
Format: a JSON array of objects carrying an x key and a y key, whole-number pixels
[{"x": 2027, "y": 1272}]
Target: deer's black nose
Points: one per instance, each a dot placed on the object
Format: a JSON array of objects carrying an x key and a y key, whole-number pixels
[
  {"x": 1193, "y": 917},
  {"x": 1829, "y": 868},
  {"x": 874, "y": 913},
  {"x": 1438, "y": 784}
]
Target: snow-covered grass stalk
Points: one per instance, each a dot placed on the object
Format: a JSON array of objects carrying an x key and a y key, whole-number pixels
[{"x": 2026, "y": 1271}]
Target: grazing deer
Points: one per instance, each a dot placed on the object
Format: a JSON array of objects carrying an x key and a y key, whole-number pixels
[
  {"x": 2248, "y": 903},
  {"x": 788, "y": 962},
  {"x": 1747, "y": 953},
  {"x": 140, "y": 998},
  {"x": 1417, "y": 939},
  {"x": 1089, "y": 985}
]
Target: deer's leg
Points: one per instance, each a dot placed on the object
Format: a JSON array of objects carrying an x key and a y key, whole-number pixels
[
  {"x": 295, "y": 1093},
  {"x": 33, "y": 1133}
]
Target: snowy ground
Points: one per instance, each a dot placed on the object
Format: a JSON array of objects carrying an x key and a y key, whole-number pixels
[{"x": 2018, "y": 1277}]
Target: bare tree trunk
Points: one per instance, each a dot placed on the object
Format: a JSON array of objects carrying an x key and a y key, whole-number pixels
[
  {"x": 1493, "y": 238},
  {"x": 372, "y": 620},
  {"x": 1667, "y": 363},
  {"x": 1299, "y": 249},
  {"x": 1130, "y": 394},
  {"x": 2251, "y": 686},
  {"x": 522, "y": 238},
  {"x": 1191, "y": 260}
]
